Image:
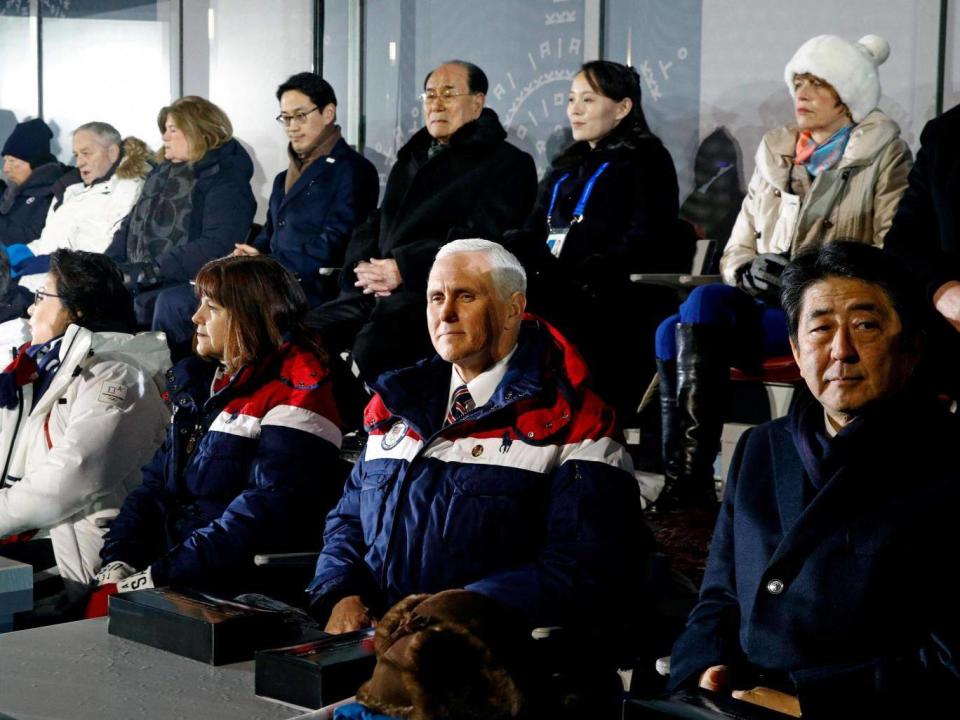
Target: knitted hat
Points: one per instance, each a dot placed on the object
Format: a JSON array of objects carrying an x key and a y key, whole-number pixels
[
  {"x": 30, "y": 142},
  {"x": 850, "y": 67}
]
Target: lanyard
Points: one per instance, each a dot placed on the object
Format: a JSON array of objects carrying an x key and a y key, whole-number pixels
[{"x": 584, "y": 196}]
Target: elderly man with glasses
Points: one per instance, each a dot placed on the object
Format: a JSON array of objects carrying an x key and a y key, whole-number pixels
[{"x": 457, "y": 177}]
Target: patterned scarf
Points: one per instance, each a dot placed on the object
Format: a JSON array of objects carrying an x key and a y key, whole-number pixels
[
  {"x": 160, "y": 221},
  {"x": 817, "y": 158}
]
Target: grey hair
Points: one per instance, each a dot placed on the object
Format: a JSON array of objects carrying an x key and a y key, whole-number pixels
[
  {"x": 508, "y": 274},
  {"x": 105, "y": 133}
]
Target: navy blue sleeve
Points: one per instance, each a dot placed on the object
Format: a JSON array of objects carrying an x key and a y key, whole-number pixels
[
  {"x": 285, "y": 484},
  {"x": 341, "y": 569}
]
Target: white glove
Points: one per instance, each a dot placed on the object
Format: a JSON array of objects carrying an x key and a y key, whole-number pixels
[
  {"x": 114, "y": 572},
  {"x": 140, "y": 581}
]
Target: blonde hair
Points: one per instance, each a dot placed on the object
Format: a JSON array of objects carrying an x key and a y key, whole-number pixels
[
  {"x": 205, "y": 125},
  {"x": 136, "y": 159}
]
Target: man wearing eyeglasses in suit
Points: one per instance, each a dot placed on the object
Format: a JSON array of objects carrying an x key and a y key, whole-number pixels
[{"x": 457, "y": 177}]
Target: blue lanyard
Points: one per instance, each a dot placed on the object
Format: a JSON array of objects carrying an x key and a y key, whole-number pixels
[{"x": 584, "y": 196}]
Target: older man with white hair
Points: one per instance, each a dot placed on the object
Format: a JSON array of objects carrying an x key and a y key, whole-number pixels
[
  {"x": 87, "y": 213},
  {"x": 491, "y": 467}
]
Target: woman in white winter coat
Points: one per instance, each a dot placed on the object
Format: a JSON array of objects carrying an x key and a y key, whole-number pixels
[
  {"x": 838, "y": 172},
  {"x": 80, "y": 413}
]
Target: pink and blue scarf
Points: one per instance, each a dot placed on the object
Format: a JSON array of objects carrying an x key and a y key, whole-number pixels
[{"x": 817, "y": 158}]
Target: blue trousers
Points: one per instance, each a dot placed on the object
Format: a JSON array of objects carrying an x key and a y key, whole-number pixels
[{"x": 752, "y": 325}]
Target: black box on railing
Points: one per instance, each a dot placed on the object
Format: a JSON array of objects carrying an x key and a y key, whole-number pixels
[
  {"x": 316, "y": 674},
  {"x": 196, "y": 626}
]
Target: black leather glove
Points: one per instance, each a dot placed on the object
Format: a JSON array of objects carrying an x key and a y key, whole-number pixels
[
  {"x": 138, "y": 277},
  {"x": 760, "y": 278}
]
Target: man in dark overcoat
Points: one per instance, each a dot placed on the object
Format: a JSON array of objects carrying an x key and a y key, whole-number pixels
[
  {"x": 457, "y": 177},
  {"x": 823, "y": 593},
  {"x": 925, "y": 237}
]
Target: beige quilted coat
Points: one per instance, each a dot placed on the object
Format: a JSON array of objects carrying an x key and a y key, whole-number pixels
[{"x": 855, "y": 200}]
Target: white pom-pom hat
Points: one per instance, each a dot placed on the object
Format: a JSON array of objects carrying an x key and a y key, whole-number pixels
[{"x": 850, "y": 67}]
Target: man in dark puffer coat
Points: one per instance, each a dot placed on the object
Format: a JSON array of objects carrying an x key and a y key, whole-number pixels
[
  {"x": 456, "y": 178},
  {"x": 32, "y": 175}
]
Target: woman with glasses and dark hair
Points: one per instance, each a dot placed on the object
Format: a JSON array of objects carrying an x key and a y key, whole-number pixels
[
  {"x": 194, "y": 207},
  {"x": 63, "y": 400},
  {"x": 607, "y": 208},
  {"x": 250, "y": 464}
]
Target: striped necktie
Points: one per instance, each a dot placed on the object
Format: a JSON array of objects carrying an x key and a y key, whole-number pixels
[{"x": 460, "y": 405}]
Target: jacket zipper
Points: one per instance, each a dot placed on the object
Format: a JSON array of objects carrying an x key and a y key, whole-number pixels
[
  {"x": 13, "y": 440},
  {"x": 393, "y": 528}
]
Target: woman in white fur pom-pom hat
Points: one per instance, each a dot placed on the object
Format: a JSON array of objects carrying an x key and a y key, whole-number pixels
[{"x": 838, "y": 172}]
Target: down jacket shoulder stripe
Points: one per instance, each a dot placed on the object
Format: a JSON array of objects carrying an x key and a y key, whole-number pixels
[
  {"x": 528, "y": 499},
  {"x": 243, "y": 471}
]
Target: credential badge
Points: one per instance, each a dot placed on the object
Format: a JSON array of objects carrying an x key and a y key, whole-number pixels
[{"x": 394, "y": 435}]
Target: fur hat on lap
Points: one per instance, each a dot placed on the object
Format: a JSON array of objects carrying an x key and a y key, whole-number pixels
[
  {"x": 851, "y": 68},
  {"x": 449, "y": 655}
]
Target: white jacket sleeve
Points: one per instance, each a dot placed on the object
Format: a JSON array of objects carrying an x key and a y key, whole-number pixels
[
  {"x": 114, "y": 423},
  {"x": 89, "y": 222}
]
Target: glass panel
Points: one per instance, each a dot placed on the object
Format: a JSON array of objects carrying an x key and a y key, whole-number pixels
[
  {"x": 335, "y": 57},
  {"x": 18, "y": 65},
  {"x": 105, "y": 60},
  {"x": 255, "y": 46},
  {"x": 661, "y": 39},
  {"x": 529, "y": 60}
]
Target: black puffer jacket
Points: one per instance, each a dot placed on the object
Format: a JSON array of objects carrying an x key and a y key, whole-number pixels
[
  {"x": 479, "y": 186},
  {"x": 630, "y": 221},
  {"x": 22, "y": 220}
]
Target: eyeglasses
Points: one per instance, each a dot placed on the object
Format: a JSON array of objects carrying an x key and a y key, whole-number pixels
[
  {"x": 39, "y": 295},
  {"x": 446, "y": 94},
  {"x": 300, "y": 117}
]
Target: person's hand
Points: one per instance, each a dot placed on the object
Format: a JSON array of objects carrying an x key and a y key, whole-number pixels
[
  {"x": 348, "y": 615},
  {"x": 114, "y": 572},
  {"x": 378, "y": 277},
  {"x": 140, "y": 581},
  {"x": 715, "y": 678},
  {"x": 244, "y": 249},
  {"x": 947, "y": 302},
  {"x": 761, "y": 278},
  {"x": 771, "y": 699}
]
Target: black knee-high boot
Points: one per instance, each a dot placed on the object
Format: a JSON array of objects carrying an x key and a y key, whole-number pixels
[
  {"x": 702, "y": 396},
  {"x": 669, "y": 422}
]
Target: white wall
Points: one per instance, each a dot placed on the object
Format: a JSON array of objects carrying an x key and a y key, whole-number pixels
[
  {"x": 251, "y": 51},
  {"x": 746, "y": 44},
  {"x": 115, "y": 71},
  {"x": 18, "y": 71}
]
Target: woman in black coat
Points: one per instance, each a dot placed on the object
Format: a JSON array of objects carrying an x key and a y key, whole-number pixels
[
  {"x": 607, "y": 208},
  {"x": 194, "y": 207}
]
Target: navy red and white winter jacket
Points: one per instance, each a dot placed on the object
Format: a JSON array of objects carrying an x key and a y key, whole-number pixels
[
  {"x": 244, "y": 470},
  {"x": 527, "y": 499}
]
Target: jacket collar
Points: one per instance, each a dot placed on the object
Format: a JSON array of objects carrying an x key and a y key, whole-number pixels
[
  {"x": 43, "y": 179},
  {"x": 868, "y": 139},
  {"x": 475, "y": 135},
  {"x": 622, "y": 140},
  {"x": 544, "y": 374},
  {"x": 314, "y": 169},
  {"x": 858, "y": 453}
]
